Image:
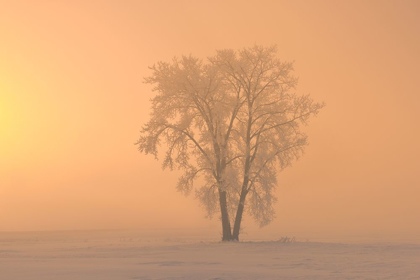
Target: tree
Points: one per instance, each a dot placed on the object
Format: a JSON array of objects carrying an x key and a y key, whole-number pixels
[{"x": 234, "y": 120}]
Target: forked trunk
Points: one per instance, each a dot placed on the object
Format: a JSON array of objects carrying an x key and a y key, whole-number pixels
[
  {"x": 238, "y": 218},
  {"x": 227, "y": 232}
]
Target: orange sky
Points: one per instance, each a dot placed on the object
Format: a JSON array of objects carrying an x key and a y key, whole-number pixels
[{"x": 72, "y": 103}]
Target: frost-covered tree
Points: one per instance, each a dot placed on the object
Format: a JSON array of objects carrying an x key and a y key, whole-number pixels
[{"x": 233, "y": 119}]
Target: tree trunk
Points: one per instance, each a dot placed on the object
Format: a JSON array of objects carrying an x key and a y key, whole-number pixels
[
  {"x": 238, "y": 218},
  {"x": 227, "y": 233}
]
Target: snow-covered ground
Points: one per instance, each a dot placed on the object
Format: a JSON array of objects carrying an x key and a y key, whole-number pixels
[{"x": 132, "y": 255}]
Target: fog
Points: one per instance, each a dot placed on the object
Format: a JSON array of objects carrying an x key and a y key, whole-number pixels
[{"x": 72, "y": 103}]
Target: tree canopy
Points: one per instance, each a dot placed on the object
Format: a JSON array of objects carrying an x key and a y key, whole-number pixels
[{"x": 233, "y": 119}]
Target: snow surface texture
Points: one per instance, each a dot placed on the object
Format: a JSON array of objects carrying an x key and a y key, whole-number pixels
[{"x": 117, "y": 255}]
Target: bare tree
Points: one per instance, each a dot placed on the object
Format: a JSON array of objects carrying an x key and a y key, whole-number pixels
[{"x": 235, "y": 120}]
